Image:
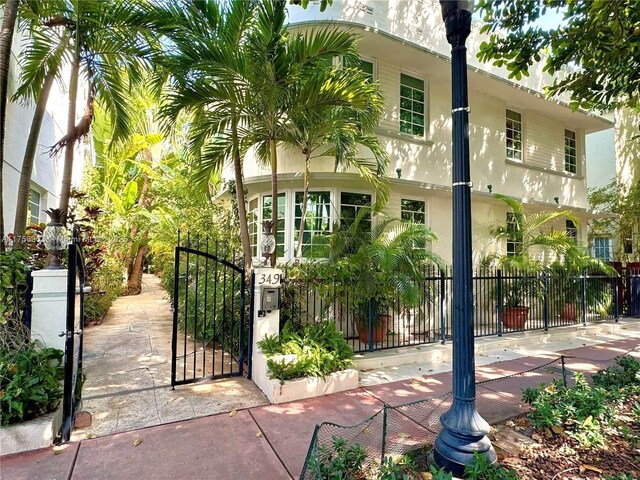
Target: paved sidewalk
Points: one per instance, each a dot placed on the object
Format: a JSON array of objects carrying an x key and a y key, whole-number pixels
[
  {"x": 127, "y": 360},
  {"x": 270, "y": 442}
]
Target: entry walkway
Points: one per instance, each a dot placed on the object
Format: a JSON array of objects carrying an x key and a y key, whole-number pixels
[
  {"x": 270, "y": 442},
  {"x": 127, "y": 361}
]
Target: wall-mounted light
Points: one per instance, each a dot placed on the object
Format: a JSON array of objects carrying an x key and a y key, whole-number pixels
[
  {"x": 557, "y": 200},
  {"x": 399, "y": 172},
  {"x": 490, "y": 188}
]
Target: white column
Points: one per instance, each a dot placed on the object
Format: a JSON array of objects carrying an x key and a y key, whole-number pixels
[{"x": 49, "y": 307}]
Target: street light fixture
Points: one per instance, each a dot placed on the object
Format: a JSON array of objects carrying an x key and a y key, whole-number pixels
[{"x": 464, "y": 431}]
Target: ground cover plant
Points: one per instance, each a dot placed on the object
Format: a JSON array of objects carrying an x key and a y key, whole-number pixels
[{"x": 320, "y": 349}]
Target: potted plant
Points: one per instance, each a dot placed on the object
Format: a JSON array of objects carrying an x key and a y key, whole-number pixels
[{"x": 375, "y": 265}]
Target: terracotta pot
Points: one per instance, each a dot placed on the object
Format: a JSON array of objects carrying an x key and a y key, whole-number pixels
[
  {"x": 379, "y": 329},
  {"x": 569, "y": 312},
  {"x": 514, "y": 317}
]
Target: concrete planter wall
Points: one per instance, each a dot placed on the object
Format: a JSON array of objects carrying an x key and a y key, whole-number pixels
[
  {"x": 31, "y": 435},
  {"x": 301, "y": 388}
]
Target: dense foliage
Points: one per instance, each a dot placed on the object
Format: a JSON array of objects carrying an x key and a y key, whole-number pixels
[
  {"x": 30, "y": 382},
  {"x": 320, "y": 349}
]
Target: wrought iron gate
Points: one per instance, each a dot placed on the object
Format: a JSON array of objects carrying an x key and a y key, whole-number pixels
[
  {"x": 73, "y": 376},
  {"x": 209, "y": 317}
]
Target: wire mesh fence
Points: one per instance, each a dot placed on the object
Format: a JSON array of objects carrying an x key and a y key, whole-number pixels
[
  {"x": 504, "y": 301},
  {"x": 397, "y": 430}
]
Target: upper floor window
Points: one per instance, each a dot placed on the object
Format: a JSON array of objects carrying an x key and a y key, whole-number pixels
[
  {"x": 570, "y": 156},
  {"x": 514, "y": 235},
  {"x": 34, "y": 207},
  {"x": 267, "y": 208},
  {"x": 365, "y": 66},
  {"x": 602, "y": 248},
  {"x": 411, "y": 105},
  {"x": 571, "y": 230},
  {"x": 514, "y": 135},
  {"x": 317, "y": 219},
  {"x": 351, "y": 204}
]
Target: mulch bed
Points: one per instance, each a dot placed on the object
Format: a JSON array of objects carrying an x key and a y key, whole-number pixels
[{"x": 555, "y": 456}]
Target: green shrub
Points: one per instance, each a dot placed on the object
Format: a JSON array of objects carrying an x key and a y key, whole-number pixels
[
  {"x": 341, "y": 461},
  {"x": 624, "y": 374},
  {"x": 106, "y": 286},
  {"x": 30, "y": 383},
  {"x": 481, "y": 469},
  {"x": 320, "y": 350},
  {"x": 403, "y": 469}
]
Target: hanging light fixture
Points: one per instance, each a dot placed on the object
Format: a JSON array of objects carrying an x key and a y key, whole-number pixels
[
  {"x": 55, "y": 237},
  {"x": 268, "y": 242}
]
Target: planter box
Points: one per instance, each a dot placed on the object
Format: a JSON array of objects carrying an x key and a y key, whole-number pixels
[
  {"x": 302, "y": 387},
  {"x": 31, "y": 435}
]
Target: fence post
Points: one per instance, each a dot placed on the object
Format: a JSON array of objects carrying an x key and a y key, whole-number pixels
[
  {"x": 616, "y": 300},
  {"x": 545, "y": 280},
  {"x": 384, "y": 432},
  {"x": 564, "y": 371},
  {"x": 583, "y": 280},
  {"x": 499, "y": 296},
  {"x": 371, "y": 325},
  {"x": 443, "y": 307}
]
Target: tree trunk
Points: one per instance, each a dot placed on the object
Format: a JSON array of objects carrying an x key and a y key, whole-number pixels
[
  {"x": 240, "y": 200},
  {"x": 303, "y": 213},
  {"x": 134, "y": 282},
  {"x": 6, "y": 40},
  {"x": 24, "y": 189},
  {"x": 71, "y": 129},
  {"x": 274, "y": 196}
]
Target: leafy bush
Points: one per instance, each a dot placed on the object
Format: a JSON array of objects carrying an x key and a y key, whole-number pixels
[
  {"x": 320, "y": 350},
  {"x": 625, "y": 373},
  {"x": 403, "y": 469},
  {"x": 481, "y": 469},
  {"x": 106, "y": 286},
  {"x": 13, "y": 277},
  {"x": 29, "y": 383},
  {"x": 339, "y": 462}
]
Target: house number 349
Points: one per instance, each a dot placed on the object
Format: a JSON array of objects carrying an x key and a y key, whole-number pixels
[{"x": 269, "y": 279}]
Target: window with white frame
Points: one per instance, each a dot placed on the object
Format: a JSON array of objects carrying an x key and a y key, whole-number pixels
[
  {"x": 514, "y": 135},
  {"x": 252, "y": 223},
  {"x": 514, "y": 235},
  {"x": 351, "y": 204},
  {"x": 267, "y": 209},
  {"x": 570, "y": 155},
  {"x": 602, "y": 248},
  {"x": 365, "y": 66},
  {"x": 411, "y": 105},
  {"x": 627, "y": 245},
  {"x": 413, "y": 211},
  {"x": 571, "y": 230},
  {"x": 34, "y": 207},
  {"x": 317, "y": 220}
]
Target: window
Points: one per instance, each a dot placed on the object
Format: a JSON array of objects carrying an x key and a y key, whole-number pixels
[
  {"x": 514, "y": 136},
  {"x": 411, "y": 105},
  {"x": 351, "y": 204},
  {"x": 602, "y": 248},
  {"x": 572, "y": 230},
  {"x": 317, "y": 220},
  {"x": 267, "y": 208},
  {"x": 413, "y": 211},
  {"x": 514, "y": 235},
  {"x": 252, "y": 223},
  {"x": 627, "y": 245},
  {"x": 365, "y": 66},
  {"x": 34, "y": 207},
  {"x": 570, "y": 157}
]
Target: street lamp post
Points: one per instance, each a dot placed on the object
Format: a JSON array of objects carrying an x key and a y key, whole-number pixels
[{"x": 463, "y": 429}]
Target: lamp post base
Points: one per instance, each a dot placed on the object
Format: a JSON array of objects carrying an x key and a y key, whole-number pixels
[{"x": 464, "y": 432}]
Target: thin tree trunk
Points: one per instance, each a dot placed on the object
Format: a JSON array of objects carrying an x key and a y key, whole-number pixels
[
  {"x": 71, "y": 129},
  {"x": 134, "y": 282},
  {"x": 6, "y": 40},
  {"x": 240, "y": 200},
  {"x": 24, "y": 189},
  {"x": 303, "y": 213},
  {"x": 274, "y": 197}
]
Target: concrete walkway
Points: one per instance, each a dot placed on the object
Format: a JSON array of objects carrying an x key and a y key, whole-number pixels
[
  {"x": 127, "y": 361},
  {"x": 271, "y": 442}
]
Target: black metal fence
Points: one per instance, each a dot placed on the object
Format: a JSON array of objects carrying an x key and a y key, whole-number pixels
[{"x": 504, "y": 301}]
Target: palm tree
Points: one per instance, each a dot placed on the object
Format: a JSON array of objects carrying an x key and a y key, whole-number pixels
[
  {"x": 207, "y": 71},
  {"x": 287, "y": 78},
  {"x": 6, "y": 39},
  {"x": 338, "y": 131}
]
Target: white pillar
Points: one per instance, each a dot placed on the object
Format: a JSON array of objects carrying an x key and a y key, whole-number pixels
[{"x": 49, "y": 307}]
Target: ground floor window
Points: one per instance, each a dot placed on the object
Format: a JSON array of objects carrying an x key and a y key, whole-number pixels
[
  {"x": 350, "y": 205},
  {"x": 34, "y": 207},
  {"x": 514, "y": 236},
  {"x": 602, "y": 249},
  {"x": 317, "y": 220},
  {"x": 571, "y": 230},
  {"x": 252, "y": 221}
]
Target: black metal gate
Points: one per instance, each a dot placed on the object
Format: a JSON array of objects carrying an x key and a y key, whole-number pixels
[
  {"x": 73, "y": 376},
  {"x": 209, "y": 317}
]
